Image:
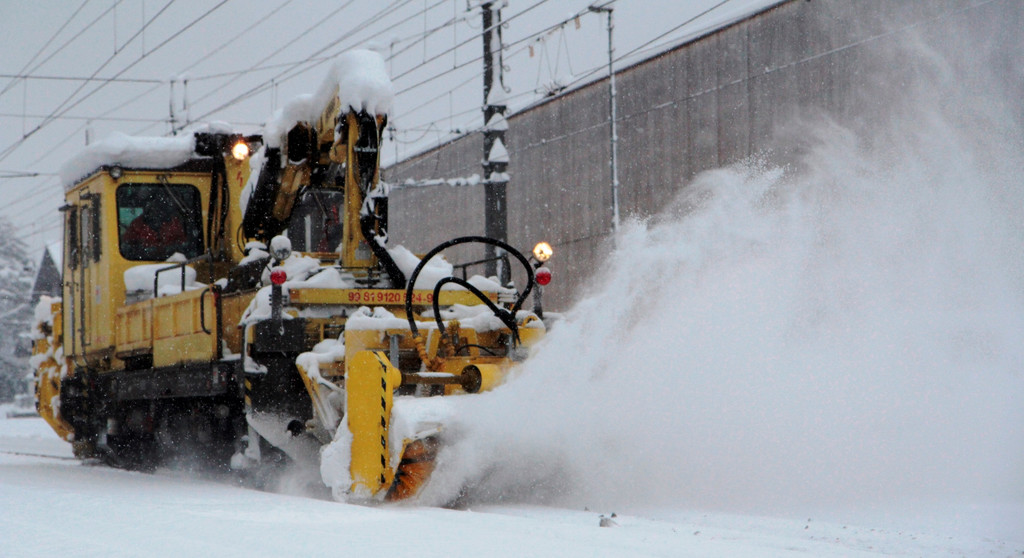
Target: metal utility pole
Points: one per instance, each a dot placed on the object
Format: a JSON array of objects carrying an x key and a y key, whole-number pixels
[
  {"x": 495, "y": 161},
  {"x": 612, "y": 117}
]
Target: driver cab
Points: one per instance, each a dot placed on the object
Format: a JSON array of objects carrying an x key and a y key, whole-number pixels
[{"x": 156, "y": 221}]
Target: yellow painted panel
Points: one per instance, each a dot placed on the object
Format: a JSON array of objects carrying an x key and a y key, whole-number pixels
[
  {"x": 198, "y": 347},
  {"x": 232, "y": 308},
  {"x": 381, "y": 297},
  {"x": 370, "y": 381},
  {"x": 134, "y": 327},
  {"x": 178, "y": 334}
]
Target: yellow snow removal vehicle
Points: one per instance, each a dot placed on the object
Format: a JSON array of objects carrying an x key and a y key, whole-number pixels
[{"x": 232, "y": 299}]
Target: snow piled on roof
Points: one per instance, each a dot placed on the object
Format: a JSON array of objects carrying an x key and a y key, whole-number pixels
[
  {"x": 360, "y": 80},
  {"x": 128, "y": 151}
]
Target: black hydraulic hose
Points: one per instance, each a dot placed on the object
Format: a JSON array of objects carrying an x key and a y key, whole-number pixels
[
  {"x": 395, "y": 275},
  {"x": 464, "y": 240},
  {"x": 258, "y": 221},
  {"x": 508, "y": 318}
]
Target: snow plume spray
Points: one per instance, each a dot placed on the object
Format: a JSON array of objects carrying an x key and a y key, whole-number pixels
[{"x": 845, "y": 328}]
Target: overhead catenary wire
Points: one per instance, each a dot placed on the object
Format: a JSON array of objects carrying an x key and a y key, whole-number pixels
[
  {"x": 23, "y": 174},
  {"x": 587, "y": 74},
  {"x": 62, "y": 114},
  {"x": 470, "y": 40},
  {"x": 49, "y": 228},
  {"x": 105, "y": 118},
  {"x": 219, "y": 49},
  {"x": 478, "y": 74},
  {"x": 6, "y": 152},
  {"x": 480, "y": 57},
  {"x": 46, "y": 121},
  {"x": 590, "y": 72},
  {"x": 419, "y": 36},
  {"x": 426, "y": 34},
  {"x": 40, "y": 202},
  {"x": 296, "y": 66},
  {"x": 283, "y": 76},
  {"x": 80, "y": 78},
  {"x": 46, "y": 43},
  {"x": 310, "y": 61},
  {"x": 45, "y": 188},
  {"x": 280, "y": 77},
  {"x": 527, "y": 38},
  {"x": 283, "y": 46}
]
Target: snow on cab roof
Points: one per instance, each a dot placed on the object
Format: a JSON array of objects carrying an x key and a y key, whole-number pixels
[
  {"x": 128, "y": 151},
  {"x": 360, "y": 79}
]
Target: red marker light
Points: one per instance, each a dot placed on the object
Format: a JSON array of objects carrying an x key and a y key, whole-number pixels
[
  {"x": 543, "y": 276},
  {"x": 278, "y": 276}
]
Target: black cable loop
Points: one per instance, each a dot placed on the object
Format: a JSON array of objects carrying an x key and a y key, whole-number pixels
[
  {"x": 506, "y": 317},
  {"x": 465, "y": 240}
]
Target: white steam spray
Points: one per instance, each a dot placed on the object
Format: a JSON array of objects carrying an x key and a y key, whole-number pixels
[{"x": 849, "y": 328}]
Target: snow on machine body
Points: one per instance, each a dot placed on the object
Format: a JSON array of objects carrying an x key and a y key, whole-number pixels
[{"x": 189, "y": 327}]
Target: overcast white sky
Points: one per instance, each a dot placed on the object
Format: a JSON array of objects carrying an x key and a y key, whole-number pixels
[{"x": 245, "y": 58}]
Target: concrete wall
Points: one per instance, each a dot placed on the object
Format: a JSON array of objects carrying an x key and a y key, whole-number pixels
[{"x": 712, "y": 102}]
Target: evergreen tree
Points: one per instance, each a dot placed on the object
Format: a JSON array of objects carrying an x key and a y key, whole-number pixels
[{"x": 17, "y": 272}]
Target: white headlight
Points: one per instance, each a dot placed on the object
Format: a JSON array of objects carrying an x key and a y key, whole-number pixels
[
  {"x": 240, "y": 150},
  {"x": 280, "y": 247}
]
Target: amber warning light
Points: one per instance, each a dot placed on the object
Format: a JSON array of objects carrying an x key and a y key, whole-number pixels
[{"x": 543, "y": 252}]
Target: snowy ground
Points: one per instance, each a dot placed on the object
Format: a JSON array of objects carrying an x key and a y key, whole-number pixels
[{"x": 55, "y": 506}]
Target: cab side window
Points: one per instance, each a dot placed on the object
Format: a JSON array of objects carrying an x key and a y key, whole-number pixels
[
  {"x": 155, "y": 221},
  {"x": 316, "y": 223},
  {"x": 89, "y": 221},
  {"x": 71, "y": 232}
]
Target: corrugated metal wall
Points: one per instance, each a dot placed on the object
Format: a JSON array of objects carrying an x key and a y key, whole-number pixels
[{"x": 711, "y": 102}]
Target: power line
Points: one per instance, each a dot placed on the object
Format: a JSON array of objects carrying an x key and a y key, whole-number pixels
[
  {"x": 103, "y": 117},
  {"x": 38, "y": 203},
  {"x": 219, "y": 49},
  {"x": 467, "y": 41},
  {"x": 74, "y": 78},
  {"x": 72, "y": 135},
  {"x": 43, "y": 230},
  {"x": 285, "y": 45},
  {"x": 87, "y": 118},
  {"x": 10, "y": 149},
  {"x": 478, "y": 58},
  {"x": 40, "y": 189},
  {"x": 423, "y": 36},
  {"x": 68, "y": 137},
  {"x": 259, "y": 88},
  {"x": 22, "y": 174},
  {"x": 419, "y": 36},
  {"x": 312, "y": 61},
  {"x": 48, "y": 41},
  {"x": 674, "y": 29},
  {"x": 468, "y": 111},
  {"x": 594, "y": 70}
]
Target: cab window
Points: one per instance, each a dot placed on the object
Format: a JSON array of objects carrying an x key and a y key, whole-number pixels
[
  {"x": 316, "y": 223},
  {"x": 155, "y": 221}
]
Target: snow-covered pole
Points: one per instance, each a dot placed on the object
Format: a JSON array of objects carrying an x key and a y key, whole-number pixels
[
  {"x": 614, "y": 146},
  {"x": 495, "y": 162}
]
